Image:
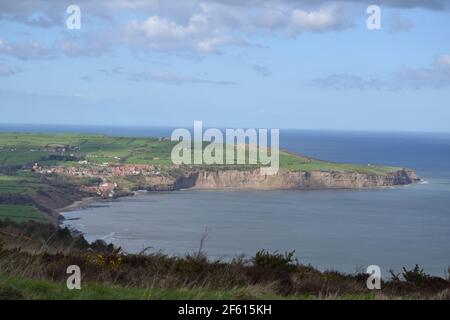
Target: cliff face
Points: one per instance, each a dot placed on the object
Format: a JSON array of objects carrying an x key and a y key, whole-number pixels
[
  {"x": 165, "y": 183},
  {"x": 62, "y": 195},
  {"x": 253, "y": 179}
]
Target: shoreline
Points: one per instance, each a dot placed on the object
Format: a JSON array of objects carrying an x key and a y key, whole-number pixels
[
  {"x": 79, "y": 204},
  {"x": 405, "y": 176},
  {"x": 85, "y": 202}
]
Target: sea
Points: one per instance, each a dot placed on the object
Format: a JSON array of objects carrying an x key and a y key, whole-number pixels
[{"x": 343, "y": 230}]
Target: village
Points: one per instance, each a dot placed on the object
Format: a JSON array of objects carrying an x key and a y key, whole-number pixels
[{"x": 106, "y": 172}]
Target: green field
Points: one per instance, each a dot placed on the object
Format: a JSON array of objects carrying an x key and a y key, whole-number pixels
[
  {"x": 294, "y": 162},
  {"x": 21, "y": 183},
  {"x": 23, "y": 149},
  {"x": 20, "y": 213}
]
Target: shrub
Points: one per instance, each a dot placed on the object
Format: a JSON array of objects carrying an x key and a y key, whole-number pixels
[
  {"x": 101, "y": 246},
  {"x": 10, "y": 293},
  {"x": 416, "y": 276},
  {"x": 275, "y": 261}
]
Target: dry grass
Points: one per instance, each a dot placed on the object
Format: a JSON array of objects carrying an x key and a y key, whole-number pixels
[{"x": 45, "y": 256}]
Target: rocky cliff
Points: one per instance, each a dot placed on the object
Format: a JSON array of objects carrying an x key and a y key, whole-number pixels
[
  {"x": 298, "y": 180},
  {"x": 234, "y": 179}
]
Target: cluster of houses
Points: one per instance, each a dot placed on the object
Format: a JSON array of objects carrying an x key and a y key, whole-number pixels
[
  {"x": 112, "y": 170},
  {"x": 133, "y": 170},
  {"x": 104, "y": 189}
]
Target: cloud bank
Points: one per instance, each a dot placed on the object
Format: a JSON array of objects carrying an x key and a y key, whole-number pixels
[
  {"x": 436, "y": 76},
  {"x": 204, "y": 26}
]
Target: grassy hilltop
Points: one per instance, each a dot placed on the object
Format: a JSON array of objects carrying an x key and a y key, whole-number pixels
[{"x": 22, "y": 149}]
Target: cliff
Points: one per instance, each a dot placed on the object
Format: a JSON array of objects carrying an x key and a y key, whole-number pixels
[
  {"x": 59, "y": 196},
  {"x": 301, "y": 180},
  {"x": 253, "y": 179}
]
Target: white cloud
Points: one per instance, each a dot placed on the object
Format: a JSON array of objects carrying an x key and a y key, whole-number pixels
[
  {"x": 325, "y": 18},
  {"x": 162, "y": 34},
  {"x": 199, "y": 26},
  {"x": 436, "y": 76},
  {"x": 163, "y": 77},
  {"x": 25, "y": 50},
  {"x": 213, "y": 26},
  {"x": 443, "y": 60},
  {"x": 205, "y": 30},
  {"x": 292, "y": 20},
  {"x": 46, "y": 13}
]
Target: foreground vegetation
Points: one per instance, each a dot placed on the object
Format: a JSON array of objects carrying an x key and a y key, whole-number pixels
[
  {"x": 18, "y": 288},
  {"x": 14, "y": 288},
  {"x": 20, "y": 213},
  {"x": 34, "y": 258}
]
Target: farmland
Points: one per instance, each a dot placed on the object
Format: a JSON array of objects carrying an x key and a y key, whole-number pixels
[
  {"x": 20, "y": 213},
  {"x": 65, "y": 149},
  {"x": 69, "y": 149}
]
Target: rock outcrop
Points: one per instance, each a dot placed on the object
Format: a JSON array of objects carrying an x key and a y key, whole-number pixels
[
  {"x": 150, "y": 178},
  {"x": 253, "y": 179}
]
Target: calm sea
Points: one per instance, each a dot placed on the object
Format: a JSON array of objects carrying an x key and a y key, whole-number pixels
[{"x": 339, "y": 229}]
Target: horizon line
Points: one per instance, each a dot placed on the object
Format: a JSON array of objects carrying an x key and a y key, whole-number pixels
[{"x": 219, "y": 127}]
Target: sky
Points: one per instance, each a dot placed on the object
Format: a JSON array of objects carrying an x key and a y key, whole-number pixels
[{"x": 297, "y": 64}]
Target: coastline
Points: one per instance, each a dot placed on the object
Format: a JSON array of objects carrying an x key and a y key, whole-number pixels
[
  {"x": 247, "y": 180},
  {"x": 86, "y": 201}
]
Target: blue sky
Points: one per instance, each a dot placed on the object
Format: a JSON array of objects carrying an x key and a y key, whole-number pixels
[{"x": 270, "y": 63}]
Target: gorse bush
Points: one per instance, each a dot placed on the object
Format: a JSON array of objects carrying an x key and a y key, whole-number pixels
[
  {"x": 101, "y": 246},
  {"x": 277, "y": 261},
  {"x": 10, "y": 293},
  {"x": 416, "y": 276}
]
